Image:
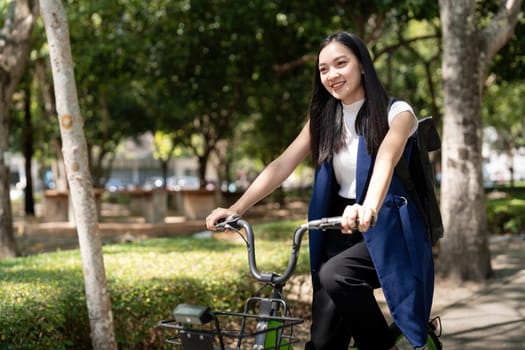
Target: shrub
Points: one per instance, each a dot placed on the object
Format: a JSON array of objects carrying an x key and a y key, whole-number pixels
[
  {"x": 43, "y": 299},
  {"x": 506, "y": 215}
]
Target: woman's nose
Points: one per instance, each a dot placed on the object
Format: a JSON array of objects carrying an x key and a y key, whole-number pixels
[{"x": 332, "y": 73}]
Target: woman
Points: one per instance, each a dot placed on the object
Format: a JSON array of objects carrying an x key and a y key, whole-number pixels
[{"x": 356, "y": 137}]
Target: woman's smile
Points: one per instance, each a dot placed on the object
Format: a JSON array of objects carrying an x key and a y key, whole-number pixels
[{"x": 337, "y": 85}]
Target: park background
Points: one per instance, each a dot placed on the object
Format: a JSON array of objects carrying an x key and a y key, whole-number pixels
[{"x": 218, "y": 88}]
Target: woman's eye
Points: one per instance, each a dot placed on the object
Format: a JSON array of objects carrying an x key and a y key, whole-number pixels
[{"x": 341, "y": 63}]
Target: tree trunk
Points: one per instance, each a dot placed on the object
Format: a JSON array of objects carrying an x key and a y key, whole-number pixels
[
  {"x": 8, "y": 248},
  {"x": 203, "y": 163},
  {"x": 14, "y": 47},
  {"x": 81, "y": 191},
  {"x": 29, "y": 200},
  {"x": 467, "y": 52},
  {"x": 164, "y": 171}
]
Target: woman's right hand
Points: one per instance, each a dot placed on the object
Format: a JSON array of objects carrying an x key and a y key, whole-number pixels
[{"x": 216, "y": 215}]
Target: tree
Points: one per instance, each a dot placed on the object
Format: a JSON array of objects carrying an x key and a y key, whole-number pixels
[
  {"x": 14, "y": 47},
  {"x": 166, "y": 148},
  {"x": 468, "y": 48},
  {"x": 110, "y": 63},
  {"x": 77, "y": 168}
]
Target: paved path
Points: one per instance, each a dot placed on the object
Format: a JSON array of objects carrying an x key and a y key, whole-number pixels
[{"x": 491, "y": 316}]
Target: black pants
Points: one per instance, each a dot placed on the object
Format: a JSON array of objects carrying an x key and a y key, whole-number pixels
[{"x": 344, "y": 305}]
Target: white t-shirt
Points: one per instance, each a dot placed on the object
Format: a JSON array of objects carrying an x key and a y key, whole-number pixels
[{"x": 345, "y": 160}]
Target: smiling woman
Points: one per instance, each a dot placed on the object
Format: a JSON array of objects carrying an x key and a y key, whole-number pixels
[{"x": 355, "y": 137}]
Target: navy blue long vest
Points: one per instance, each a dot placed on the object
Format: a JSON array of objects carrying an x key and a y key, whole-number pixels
[{"x": 398, "y": 245}]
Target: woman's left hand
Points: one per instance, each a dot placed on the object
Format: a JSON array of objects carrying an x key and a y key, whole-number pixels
[{"x": 357, "y": 217}]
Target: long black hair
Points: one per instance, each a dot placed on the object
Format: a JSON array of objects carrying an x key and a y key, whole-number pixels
[{"x": 326, "y": 113}]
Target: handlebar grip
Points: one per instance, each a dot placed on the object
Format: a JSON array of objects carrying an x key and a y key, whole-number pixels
[
  {"x": 230, "y": 222},
  {"x": 324, "y": 223},
  {"x": 332, "y": 223}
]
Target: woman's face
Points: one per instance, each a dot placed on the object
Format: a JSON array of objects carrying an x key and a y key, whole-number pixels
[{"x": 340, "y": 73}]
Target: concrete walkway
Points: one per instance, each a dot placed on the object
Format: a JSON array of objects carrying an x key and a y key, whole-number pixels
[{"x": 491, "y": 316}]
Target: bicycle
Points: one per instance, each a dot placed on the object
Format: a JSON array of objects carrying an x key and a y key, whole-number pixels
[{"x": 265, "y": 322}]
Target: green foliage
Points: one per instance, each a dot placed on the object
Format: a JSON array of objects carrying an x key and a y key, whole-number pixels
[
  {"x": 509, "y": 62},
  {"x": 38, "y": 300},
  {"x": 43, "y": 299},
  {"x": 507, "y": 215},
  {"x": 505, "y": 117},
  {"x": 213, "y": 68}
]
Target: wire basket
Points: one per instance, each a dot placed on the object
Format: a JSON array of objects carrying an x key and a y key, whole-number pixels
[{"x": 235, "y": 331}]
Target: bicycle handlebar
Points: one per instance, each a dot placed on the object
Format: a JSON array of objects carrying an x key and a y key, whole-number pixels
[
  {"x": 331, "y": 223},
  {"x": 235, "y": 223}
]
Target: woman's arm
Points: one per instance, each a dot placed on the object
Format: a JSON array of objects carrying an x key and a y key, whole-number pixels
[
  {"x": 269, "y": 179},
  {"x": 388, "y": 155}
]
